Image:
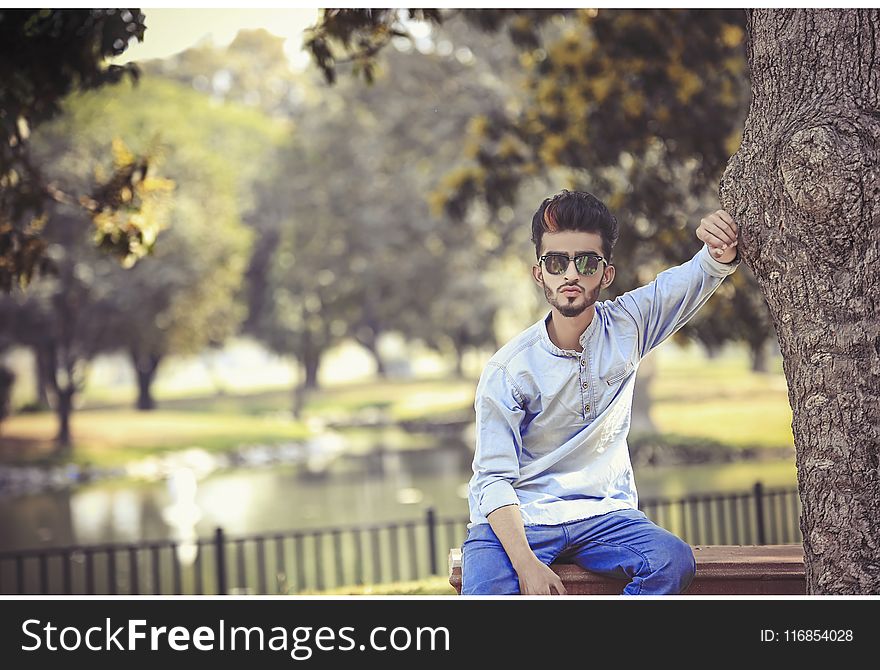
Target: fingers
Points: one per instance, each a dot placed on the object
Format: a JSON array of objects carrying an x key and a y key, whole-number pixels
[
  {"x": 560, "y": 589},
  {"x": 727, "y": 218},
  {"x": 714, "y": 240},
  {"x": 543, "y": 588},
  {"x": 528, "y": 590},
  {"x": 718, "y": 230}
]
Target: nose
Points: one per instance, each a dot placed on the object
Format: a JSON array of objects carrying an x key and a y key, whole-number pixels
[{"x": 571, "y": 271}]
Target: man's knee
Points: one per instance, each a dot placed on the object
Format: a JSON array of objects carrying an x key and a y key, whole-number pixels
[
  {"x": 679, "y": 562},
  {"x": 496, "y": 586},
  {"x": 485, "y": 567},
  {"x": 487, "y": 578}
]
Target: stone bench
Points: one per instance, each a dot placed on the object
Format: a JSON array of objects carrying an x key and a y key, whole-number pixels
[{"x": 776, "y": 569}]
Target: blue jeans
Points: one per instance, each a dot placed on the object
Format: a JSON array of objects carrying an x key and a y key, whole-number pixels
[{"x": 623, "y": 544}]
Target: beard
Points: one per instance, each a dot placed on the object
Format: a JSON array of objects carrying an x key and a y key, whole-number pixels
[{"x": 571, "y": 306}]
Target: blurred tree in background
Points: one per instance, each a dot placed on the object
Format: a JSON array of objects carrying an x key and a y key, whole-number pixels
[
  {"x": 361, "y": 251},
  {"x": 44, "y": 56},
  {"x": 641, "y": 107},
  {"x": 67, "y": 319},
  {"x": 397, "y": 207},
  {"x": 252, "y": 71},
  {"x": 188, "y": 294}
]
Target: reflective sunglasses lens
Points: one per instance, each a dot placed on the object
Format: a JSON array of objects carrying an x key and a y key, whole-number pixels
[
  {"x": 587, "y": 265},
  {"x": 556, "y": 265}
]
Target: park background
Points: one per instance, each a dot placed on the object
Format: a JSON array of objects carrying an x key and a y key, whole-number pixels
[{"x": 334, "y": 263}]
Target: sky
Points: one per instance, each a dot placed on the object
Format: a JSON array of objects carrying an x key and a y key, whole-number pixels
[{"x": 170, "y": 31}]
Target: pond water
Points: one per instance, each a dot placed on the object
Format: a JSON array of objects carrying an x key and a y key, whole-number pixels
[{"x": 379, "y": 486}]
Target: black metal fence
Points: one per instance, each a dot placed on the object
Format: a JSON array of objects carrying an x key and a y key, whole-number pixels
[{"x": 317, "y": 560}]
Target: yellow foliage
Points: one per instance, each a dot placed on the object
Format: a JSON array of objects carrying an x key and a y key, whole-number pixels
[
  {"x": 571, "y": 50},
  {"x": 615, "y": 200},
  {"x": 122, "y": 156},
  {"x": 508, "y": 147},
  {"x": 551, "y": 148},
  {"x": 576, "y": 104},
  {"x": 451, "y": 184},
  {"x": 477, "y": 125},
  {"x": 476, "y": 130},
  {"x": 688, "y": 83},
  {"x": 600, "y": 87},
  {"x": 530, "y": 168},
  {"x": 585, "y": 14},
  {"x": 661, "y": 113},
  {"x": 132, "y": 230},
  {"x": 733, "y": 141},
  {"x": 731, "y": 35},
  {"x": 733, "y": 65},
  {"x": 726, "y": 93},
  {"x": 633, "y": 103}
]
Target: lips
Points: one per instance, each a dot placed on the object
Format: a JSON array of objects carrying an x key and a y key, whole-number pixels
[{"x": 570, "y": 290}]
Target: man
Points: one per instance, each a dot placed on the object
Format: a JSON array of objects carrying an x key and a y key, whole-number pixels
[{"x": 552, "y": 474}]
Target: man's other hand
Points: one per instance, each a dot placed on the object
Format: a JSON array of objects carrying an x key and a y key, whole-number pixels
[
  {"x": 718, "y": 230},
  {"x": 537, "y": 579}
]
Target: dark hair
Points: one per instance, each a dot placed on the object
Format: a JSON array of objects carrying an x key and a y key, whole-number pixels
[{"x": 575, "y": 210}]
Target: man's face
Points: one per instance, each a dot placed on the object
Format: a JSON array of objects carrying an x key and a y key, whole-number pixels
[{"x": 571, "y": 293}]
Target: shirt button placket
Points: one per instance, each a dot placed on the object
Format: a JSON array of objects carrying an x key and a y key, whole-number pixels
[{"x": 585, "y": 385}]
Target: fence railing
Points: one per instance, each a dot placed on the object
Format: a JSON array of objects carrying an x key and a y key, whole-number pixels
[{"x": 316, "y": 560}]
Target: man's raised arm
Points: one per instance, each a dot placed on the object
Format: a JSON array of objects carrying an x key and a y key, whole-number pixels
[{"x": 668, "y": 302}]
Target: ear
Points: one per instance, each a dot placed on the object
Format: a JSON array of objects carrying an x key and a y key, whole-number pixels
[
  {"x": 537, "y": 275},
  {"x": 608, "y": 276}
]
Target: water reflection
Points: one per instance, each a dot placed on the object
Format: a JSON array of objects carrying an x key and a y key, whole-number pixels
[
  {"x": 183, "y": 513},
  {"x": 380, "y": 484}
]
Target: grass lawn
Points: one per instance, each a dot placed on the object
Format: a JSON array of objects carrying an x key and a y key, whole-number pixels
[
  {"x": 402, "y": 399},
  {"x": 716, "y": 398},
  {"x": 112, "y": 437},
  {"x": 721, "y": 399},
  {"x": 737, "y": 424}
]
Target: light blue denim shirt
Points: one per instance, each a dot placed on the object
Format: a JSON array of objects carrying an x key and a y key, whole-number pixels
[{"x": 552, "y": 424}]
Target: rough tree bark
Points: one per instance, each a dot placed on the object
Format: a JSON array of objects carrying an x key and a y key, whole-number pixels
[{"x": 804, "y": 188}]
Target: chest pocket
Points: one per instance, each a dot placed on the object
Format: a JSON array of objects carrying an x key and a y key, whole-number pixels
[{"x": 617, "y": 374}]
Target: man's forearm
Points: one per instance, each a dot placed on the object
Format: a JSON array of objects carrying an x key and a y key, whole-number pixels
[{"x": 509, "y": 529}]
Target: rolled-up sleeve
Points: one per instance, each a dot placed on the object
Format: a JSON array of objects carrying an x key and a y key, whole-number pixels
[
  {"x": 498, "y": 441},
  {"x": 663, "y": 306}
]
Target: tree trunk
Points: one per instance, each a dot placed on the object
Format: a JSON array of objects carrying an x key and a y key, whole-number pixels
[
  {"x": 300, "y": 396},
  {"x": 43, "y": 364},
  {"x": 145, "y": 368},
  {"x": 381, "y": 370},
  {"x": 459, "y": 359},
  {"x": 712, "y": 351},
  {"x": 804, "y": 188},
  {"x": 758, "y": 353},
  {"x": 7, "y": 380},
  {"x": 257, "y": 277},
  {"x": 63, "y": 441},
  {"x": 311, "y": 363},
  {"x": 371, "y": 344}
]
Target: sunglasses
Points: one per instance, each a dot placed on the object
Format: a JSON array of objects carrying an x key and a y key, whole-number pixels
[{"x": 585, "y": 264}]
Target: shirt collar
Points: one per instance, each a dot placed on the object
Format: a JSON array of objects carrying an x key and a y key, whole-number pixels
[{"x": 552, "y": 348}]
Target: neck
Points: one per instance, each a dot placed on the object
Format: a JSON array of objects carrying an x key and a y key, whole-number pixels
[{"x": 565, "y": 331}]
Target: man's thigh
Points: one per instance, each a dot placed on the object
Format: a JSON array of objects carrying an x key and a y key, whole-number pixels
[
  {"x": 485, "y": 566},
  {"x": 623, "y": 543}
]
